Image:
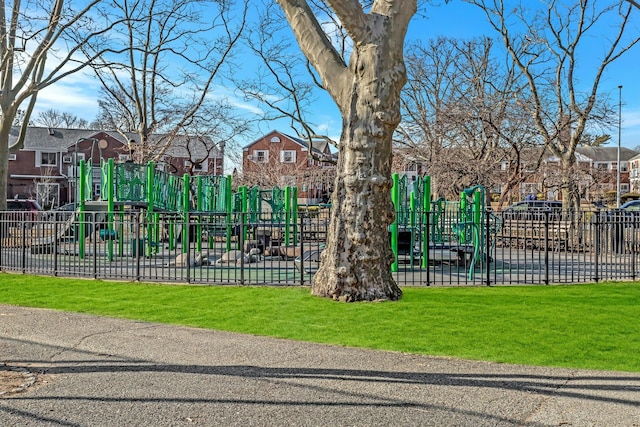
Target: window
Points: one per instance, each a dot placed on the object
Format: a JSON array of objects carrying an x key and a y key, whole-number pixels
[
  {"x": 624, "y": 167},
  {"x": 602, "y": 166},
  {"x": 288, "y": 156},
  {"x": 47, "y": 159},
  {"x": 202, "y": 166},
  {"x": 124, "y": 157},
  {"x": 261, "y": 156},
  {"x": 96, "y": 190},
  {"x": 275, "y": 139}
]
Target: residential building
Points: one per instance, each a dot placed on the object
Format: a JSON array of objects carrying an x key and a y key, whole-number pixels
[
  {"x": 597, "y": 172},
  {"x": 46, "y": 167},
  {"x": 280, "y": 160},
  {"x": 634, "y": 174}
]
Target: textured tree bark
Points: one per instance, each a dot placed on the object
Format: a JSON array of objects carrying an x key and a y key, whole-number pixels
[
  {"x": 356, "y": 263},
  {"x": 5, "y": 128}
]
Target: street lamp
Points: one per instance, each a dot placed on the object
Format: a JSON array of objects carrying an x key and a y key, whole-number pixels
[{"x": 619, "y": 139}]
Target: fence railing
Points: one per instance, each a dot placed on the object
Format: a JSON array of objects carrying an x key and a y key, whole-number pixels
[{"x": 209, "y": 248}]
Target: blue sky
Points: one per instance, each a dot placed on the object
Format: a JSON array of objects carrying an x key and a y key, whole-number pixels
[{"x": 77, "y": 94}]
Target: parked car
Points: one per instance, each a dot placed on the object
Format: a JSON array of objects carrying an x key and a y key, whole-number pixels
[
  {"x": 632, "y": 206},
  {"x": 533, "y": 210},
  {"x": 63, "y": 213},
  {"x": 25, "y": 205},
  {"x": 629, "y": 210},
  {"x": 24, "y": 210}
]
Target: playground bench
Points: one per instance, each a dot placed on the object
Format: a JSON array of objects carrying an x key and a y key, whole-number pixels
[{"x": 527, "y": 234}]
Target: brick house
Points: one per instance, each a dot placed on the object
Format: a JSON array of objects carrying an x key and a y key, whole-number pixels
[
  {"x": 595, "y": 175},
  {"x": 634, "y": 174},
  {"x": 279, "y": 160},
  {"x": 45, "y": 168},
  {"x": 599, "y": 172}
]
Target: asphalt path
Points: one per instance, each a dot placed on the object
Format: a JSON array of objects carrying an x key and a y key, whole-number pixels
[{"x": 81, "y": 370}]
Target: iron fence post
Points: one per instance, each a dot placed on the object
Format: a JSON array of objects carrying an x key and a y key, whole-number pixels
[
  {"x": 95, "y": 246},
  {"x": 596, "y": 250},
  {"x": 136, "y": 244},
  {"x": 55, "y": 245},
  {"x": 187, "y": 241},
  {"x": 301, "y": 219},
  {"x": 241, "y": 241},
  {"x": 546, "y": 247},
  {"x": 427, "y": 217},
  {"x": 24, "y": 245},
  {"x": 634, "y": 228},
  {"x": 4, "y": 232},
  {"x": 487, "y": 244}
]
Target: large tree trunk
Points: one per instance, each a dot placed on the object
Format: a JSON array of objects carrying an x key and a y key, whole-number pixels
[
  {"x": 356, "y": 264},
  {"x": 5, "y": 129}
]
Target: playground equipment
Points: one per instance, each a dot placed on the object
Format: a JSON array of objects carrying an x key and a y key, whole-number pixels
[
  {"x": 427, "y": 230},
  {"x": 180, "y": 210},
  {"x": 145, "y": 190}
]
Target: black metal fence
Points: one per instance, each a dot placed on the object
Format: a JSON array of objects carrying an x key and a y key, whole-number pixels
[{"x": 205, "y": 248}]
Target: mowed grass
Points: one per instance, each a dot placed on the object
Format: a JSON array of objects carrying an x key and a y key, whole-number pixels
[{"x": 592, "y": 326}]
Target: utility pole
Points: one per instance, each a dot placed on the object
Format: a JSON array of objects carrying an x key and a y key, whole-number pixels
[{"x": 619, "y": 141}]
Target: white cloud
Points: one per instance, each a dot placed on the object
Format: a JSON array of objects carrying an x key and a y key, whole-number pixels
[
  {"x": 245, "y": 106},
  {"x": 630, "y": 135},
  {"x": 219, "y": 92},
  {"x": 630, "y": 119},
  {"x": 77, "y": 94}
]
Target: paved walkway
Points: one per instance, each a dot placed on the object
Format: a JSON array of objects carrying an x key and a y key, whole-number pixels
[{"x": 94, "y": 371}]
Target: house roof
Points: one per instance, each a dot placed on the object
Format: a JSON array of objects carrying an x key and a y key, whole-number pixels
[
  {"x": 607, "y": 154},
  {"x": 43, "y": 138}
]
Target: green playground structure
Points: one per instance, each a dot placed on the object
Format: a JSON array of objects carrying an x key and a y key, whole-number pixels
[
  {"x": 423, "y": 228},
  {"x": 197, "y": 206},
  {"x": 151, "y": 191}
]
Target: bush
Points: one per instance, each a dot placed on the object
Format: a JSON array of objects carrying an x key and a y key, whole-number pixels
[
  {"x": 629, "y": 196},
  {"x": 610, "y": 196}
]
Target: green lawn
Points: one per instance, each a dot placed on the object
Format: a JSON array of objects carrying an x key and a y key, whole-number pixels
[{"x": 581, "y": 326}]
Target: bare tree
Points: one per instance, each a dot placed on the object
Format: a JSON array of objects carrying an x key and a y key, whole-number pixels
[
  {"x": 635, "y": 3},
  {"x": 161, "y": 69},
  {"x": 547, "y": 45},
  {"x": 53, "y": 118},
  {"x": 355, "y": 264},
  {"x": 287, "y": 86},
  {"x": 39, "y": 42},
  {"x": 462, "y": 120}
]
